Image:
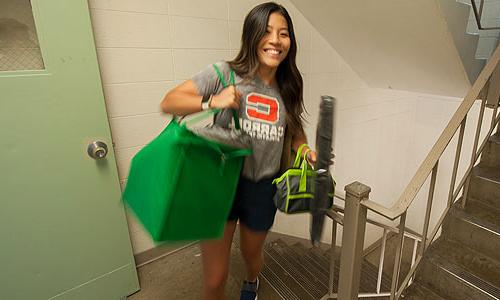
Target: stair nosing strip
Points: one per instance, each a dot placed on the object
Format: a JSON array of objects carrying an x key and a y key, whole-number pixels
[
  {"x": 482, "y": 203},
  {"x": 475, "y": 221},
  {"x": 468, "y": 278},
  {"x": 482, "y": 226}
]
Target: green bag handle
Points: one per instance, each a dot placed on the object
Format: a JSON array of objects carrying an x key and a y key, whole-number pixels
[
  {"x": 303, "y": 175},
  {"x": 296, "y": 163},
  {"x": 213, "y": 111},
  {"x": 225, "y": 85}
]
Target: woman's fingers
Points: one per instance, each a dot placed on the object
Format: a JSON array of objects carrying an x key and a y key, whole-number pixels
[
  {"x": 227, "y": 98},
  {"x": 312, "y": 156}
]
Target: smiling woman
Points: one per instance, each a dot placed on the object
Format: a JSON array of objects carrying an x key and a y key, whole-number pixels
[
  {"x": 267, "y": 95},
  {"x": 274, "y": 46}
]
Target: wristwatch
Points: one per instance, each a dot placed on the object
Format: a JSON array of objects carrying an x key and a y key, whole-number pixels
[{"x": 205, "y": 102}]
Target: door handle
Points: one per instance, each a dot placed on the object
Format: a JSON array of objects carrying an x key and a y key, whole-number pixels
[{"x": 97, "y": 150}]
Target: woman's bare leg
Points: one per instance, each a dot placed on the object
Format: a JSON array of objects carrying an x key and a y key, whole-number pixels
[
  {"x": 251, "y": 244},
  {"x": 215, "y": 257}
]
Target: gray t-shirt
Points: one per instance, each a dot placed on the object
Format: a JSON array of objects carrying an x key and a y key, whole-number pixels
[{"x": 262, "y": 115}]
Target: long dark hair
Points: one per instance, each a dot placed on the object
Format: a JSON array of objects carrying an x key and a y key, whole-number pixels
[{"x": 288, "y": 76}]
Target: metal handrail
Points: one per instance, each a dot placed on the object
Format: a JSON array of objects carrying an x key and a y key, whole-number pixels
[
  {"x": 411, "y": 190},
  {"x": 336, "y": 213},
  {"x": 479, "y": 14}
]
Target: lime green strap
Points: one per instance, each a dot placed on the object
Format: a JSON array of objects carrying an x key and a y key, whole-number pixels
[
  {"x": 296, "y": 163},
  {"x": 303, "y": 175}
]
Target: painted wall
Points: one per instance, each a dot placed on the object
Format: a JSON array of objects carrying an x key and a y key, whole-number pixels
[
  {"x": 147, "y": 47},
  {"x": 399, "y": 44}
]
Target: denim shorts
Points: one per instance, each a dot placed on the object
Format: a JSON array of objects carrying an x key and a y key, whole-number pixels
[{"x": 253, "y": 204}]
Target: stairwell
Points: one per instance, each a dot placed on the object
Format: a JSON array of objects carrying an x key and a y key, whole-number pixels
[{"x": 464, "y": 263}]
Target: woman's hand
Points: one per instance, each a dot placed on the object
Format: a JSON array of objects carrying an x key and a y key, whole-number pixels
[
  {"x": 312, "y": 156},
  {"x": 227, "y": 98}
]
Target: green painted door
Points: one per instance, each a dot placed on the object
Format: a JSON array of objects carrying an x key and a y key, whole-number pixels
[{"x": 63, "y": 231}]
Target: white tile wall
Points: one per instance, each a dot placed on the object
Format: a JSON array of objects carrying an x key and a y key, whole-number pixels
[
  {"x": 215, "y": 9},
  {"x": 147, "y": 47},
  {"x": 128, "y": 65},
  {"x": 135, "y": 98},
  {"x": 191, "y": 61},
  {"x": 199, "y": 33},
  {"x": 130, "y": 29},
  {"x": 134, "y": 131},
  {"x": 239, "y": 8},
  {"x": 149, "y": 6},
  {"x": 235, "y": 29},
  {"x": 123, "y": 160}
]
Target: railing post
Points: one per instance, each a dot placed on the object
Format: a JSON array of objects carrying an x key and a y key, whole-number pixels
[
  {"x": 352, "y": 240},
  {"x": 493, "y": 95},
  {"x": 474, "y": 153}
]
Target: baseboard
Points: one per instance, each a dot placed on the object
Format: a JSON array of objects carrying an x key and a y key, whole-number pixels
[{"x": 148, "y": 256}]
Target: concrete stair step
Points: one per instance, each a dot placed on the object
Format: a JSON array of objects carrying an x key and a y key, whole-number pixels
[
  {"x": 485, "y": 185},
  {"x": 478, "y": 264},
  {"x": 419, "y": 292},
  {"x": 491, "y": 153},
  {"x": 489, "y": 215},
  {"x": 456, "y": 272},
  {"x": 476, "y": 227}
]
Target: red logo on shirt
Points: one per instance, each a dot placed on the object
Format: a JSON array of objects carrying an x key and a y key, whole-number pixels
[{"x": 262, "y": 108}]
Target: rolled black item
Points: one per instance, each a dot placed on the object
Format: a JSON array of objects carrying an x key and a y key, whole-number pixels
[{"x": 323, "y": 180}]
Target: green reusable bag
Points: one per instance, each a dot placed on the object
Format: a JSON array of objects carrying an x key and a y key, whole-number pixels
[
  {"x": 181, "y": 186},
  {"x": 295, "y": 188}
]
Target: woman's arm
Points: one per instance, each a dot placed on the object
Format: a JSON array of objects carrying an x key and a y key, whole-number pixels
[{"x": 184, "y": 99}]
